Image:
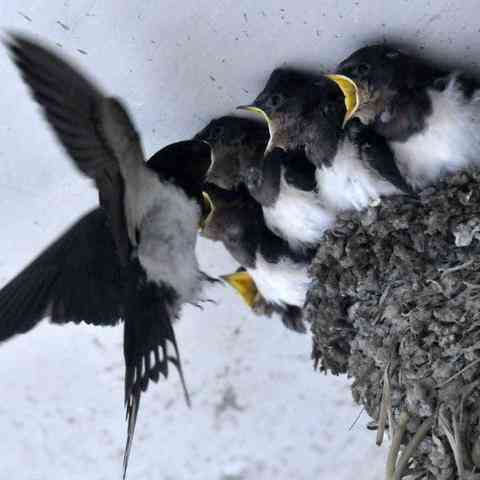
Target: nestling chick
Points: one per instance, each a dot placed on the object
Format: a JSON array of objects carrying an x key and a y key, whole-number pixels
[
  {"x": 237, "y": 147},
  {"x": 322, "y": 168},
  {"x": 278, "y": 273},
  {"x": 430, "y": 116}
]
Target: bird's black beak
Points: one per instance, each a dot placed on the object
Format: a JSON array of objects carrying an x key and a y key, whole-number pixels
[
  {"x": 244, "y": 284},
  {"x": 351, "y": 93}
]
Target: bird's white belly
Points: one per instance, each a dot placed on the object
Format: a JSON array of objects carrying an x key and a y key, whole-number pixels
[
  {"x": 168, "y": 234},
  {"x": 283, "y": 283},
  {"x": 298, "y": 217},
  {"x": 348, "y": 184},
  {"x": 449, "y": 142}
]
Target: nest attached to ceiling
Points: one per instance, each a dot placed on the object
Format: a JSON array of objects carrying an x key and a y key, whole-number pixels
[{"x": 395, "y": 304}]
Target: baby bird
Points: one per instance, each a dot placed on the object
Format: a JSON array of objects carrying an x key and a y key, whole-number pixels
[
  {"x": 320, "y": 168},
  {"x": 237, "y": 146},
  {"x": 278, "y": 274},
  {"x": 430, "y": 116}
]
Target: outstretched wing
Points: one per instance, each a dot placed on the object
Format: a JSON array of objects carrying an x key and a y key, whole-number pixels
[
  {"x": 82, "y": 119},
  {"x": 101, "y": 139},
  {"x": 148, "y": 334},
  {"x": 77, "y": 278}
]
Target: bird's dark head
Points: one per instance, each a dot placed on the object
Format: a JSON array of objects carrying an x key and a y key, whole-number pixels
[
  {"x": 376, "y": 65},
  {"x": 236, "y": 143},
  {"x": 280, "y": 94},
  {"x": 236, "y": 221},
  {"x": 186, "y": 164},
  {"x": 292, "y": 100},
  {"x": 378, "y": 73}
]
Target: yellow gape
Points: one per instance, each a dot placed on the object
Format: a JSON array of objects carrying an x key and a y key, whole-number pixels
[
  {"x": 243, "y": 283},
  {"x": 259, "y": 111},
  {"x": 350, "y": 92},
  {"x": 209, "y": 208}
]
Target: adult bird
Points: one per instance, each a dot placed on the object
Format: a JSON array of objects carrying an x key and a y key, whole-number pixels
[
  {"x": 429, "y": 116},
  {"x": 316, "y": 168},
  {"x": 132, "y": 259}
]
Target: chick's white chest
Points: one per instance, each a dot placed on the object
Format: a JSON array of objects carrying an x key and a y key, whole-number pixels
[
  {"x": 298, "y": 216},
  {"x": 449, "y": 142},
  {"x": 348, "y": 184},
  {"x": 283, "y": 283}
]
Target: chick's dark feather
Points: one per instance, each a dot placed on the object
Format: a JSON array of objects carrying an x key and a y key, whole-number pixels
[{"x": 376, "y": 152}]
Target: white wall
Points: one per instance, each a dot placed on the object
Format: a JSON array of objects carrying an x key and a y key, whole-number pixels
[{"x": 177, "y": 64}]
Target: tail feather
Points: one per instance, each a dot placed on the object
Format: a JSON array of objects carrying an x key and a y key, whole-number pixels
[
  {"x": 132, "y": 412},
  {"x": 148, "y": 333}
]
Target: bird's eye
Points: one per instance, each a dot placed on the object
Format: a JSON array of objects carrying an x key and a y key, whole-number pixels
[
  {"x": 392, "y": 54},
  {"x": 232, "y": 240},
  {"x": 326, "y": 111},
  {"x": 275, "y": 100},
  {"x": 217, "y": 132},
  {"x": 362, "y": 69},
  {"x": 233, "y": 233}
]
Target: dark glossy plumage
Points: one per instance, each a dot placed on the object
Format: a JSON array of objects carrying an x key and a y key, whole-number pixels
[
  {"x": 81, "y": 263},
  {"x": 73, "y": 106}
]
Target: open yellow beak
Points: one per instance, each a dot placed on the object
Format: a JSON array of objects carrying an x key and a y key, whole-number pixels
[
  {"x": 244, "y": 284},
  {"x": 258, "y": 111},
  {"x": 209, "y": 208},
  {"x": 350, "y": 92}
]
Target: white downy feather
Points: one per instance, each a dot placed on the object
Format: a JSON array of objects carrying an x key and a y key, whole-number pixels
[
  {"x": 283, "y": 283},
  {"x": 297, "y": 216},
  {"x": 348, "y": 184},
  {"x": 449, "y": 142}
]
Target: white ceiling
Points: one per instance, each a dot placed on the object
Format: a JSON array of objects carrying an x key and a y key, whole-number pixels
[{"x": 178, "y": 63}]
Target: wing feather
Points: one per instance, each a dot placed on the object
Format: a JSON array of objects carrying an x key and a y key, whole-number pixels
[
  {"x": 148, "y": 332},
  {"x": 76, "y": 279},
  {"x": 76, "y": 110}
]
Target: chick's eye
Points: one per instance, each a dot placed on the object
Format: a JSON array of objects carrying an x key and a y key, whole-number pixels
[
  {"x": 362, "y": 69},
  {"x": 393, "y": 54},
  {"x": 275, "y": 100},
  {"x": 232, "y": 234},
  {"x": 232, "y": 240}
]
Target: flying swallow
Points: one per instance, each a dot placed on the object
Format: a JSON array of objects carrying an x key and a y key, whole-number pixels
[{"x": 133, "y": 258}]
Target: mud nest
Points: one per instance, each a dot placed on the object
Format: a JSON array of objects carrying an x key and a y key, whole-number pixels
[{"x": 395, "y": 305}]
